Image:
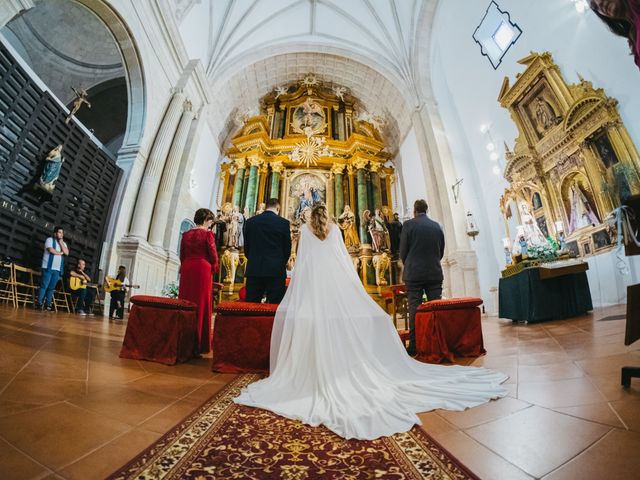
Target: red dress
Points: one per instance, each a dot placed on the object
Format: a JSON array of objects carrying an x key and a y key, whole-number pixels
[{"x": 198, "y": 263}]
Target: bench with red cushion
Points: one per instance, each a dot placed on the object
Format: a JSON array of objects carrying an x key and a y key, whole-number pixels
[
  {"x": 449, "y": 328},
  {"x": 161, "y": 329},
  {"x": 242, "y": 337}
]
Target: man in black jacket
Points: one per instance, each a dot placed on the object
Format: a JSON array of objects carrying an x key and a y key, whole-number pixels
[
  {"x": 421, "y": 249},
  {"x": 267, "y": 246}
]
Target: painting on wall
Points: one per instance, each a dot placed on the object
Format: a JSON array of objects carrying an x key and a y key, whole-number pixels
[
  {"x": 605, "y": 150},
  {"x": 601, "y": 239}
]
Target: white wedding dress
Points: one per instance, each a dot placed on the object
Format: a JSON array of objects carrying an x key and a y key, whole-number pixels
[{"x": 337, "y": 360}]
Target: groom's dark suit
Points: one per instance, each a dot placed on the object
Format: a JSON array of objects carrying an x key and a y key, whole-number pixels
[{"x": 267, "y": 246}]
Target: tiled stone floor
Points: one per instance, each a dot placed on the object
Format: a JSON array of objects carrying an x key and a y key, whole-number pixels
[{"x": 70, "y": 408}]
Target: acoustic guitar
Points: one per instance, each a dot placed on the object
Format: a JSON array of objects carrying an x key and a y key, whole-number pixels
[
  {"x": 76, "y": 283},
  {"x": 111, "y": 284}
]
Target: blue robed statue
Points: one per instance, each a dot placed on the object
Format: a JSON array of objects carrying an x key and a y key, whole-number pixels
[{"x": 51, "y": 170}]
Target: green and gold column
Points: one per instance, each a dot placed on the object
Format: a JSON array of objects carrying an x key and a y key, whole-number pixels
[
  {"x": 375, "y": 183},
  {"x": 338, "y": 188},
  {"x": 276, "y": 169},
  {"x": 252, "y": 187},
  {"x": 361, "y": 182},
  {"x": 237, "y": 185}
]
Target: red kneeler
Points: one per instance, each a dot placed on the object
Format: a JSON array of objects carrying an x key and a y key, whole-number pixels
[
  {"x": 160, "y": 329},
  {"x": 449, "y": 328},
  {"x": 242, "y": 337}
]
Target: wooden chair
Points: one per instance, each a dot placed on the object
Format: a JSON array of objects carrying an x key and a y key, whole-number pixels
[
  {"x": 25, "y": 286},
  {"x": 396, "y": 299},
  {"x": 7, "y": 284},
  {"x": 62, "y": 299},
  {"x": 98, "y": 301}
]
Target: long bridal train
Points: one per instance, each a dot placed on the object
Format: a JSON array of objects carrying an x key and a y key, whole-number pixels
[{"x": 337, "y": 360}]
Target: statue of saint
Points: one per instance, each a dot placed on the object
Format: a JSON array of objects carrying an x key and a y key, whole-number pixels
[
  {"x": 529, "y": 233},
  {"x": 51, "y": 170},
  {"x": 347, "y": 223},
  {"x": 395, "y": 231},
  {"x": 379, "y": 233},
  {"x": 261, "y": 208},
  {"x": 309, "y": 196},
  {"x": 582, "y": 215},
  {"x": 545, "y": 115},
  {"x": 234, "y": 230}
]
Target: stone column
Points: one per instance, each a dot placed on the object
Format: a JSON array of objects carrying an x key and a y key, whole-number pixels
[
  {"x": 239, "y": 182},
  {"x": 375, "y": 182},
  {"x": 361, "y": 180},
  {"x": 252, "y": 187},
  {"x": 276, "y": 169},
  {"x": 153, "y": 170},
  {"x": 338, "y": 187},
  {"x": 169, "y": 175}
]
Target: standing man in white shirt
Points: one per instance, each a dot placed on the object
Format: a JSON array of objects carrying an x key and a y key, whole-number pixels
[{"x": 52, "y": 267}]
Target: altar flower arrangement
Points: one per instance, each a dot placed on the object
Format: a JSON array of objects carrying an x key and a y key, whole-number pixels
[
  {"x": 170, "y": 290},
  {"x": 542, "y": 252}
]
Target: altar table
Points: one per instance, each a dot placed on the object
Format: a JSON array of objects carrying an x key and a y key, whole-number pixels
[
  {"x": 545, "y": 293},
  {"x": 449, "y": 328},
  {"x": 160, "y": 329}
]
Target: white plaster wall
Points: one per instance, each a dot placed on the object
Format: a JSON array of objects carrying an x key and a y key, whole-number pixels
[
  {"x": 203, "y": 171},
  {"x": 411, "y": 174},
  {"x": 195, "y": 28},
  {"x": 466, "y": 88}
]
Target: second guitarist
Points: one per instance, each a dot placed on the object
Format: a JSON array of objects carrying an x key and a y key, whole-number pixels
[
  {"x": 116, "y": 306},
  {"x": 82, "y": 296}
]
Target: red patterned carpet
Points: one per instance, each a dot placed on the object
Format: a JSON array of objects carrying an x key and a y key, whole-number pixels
[{"x": 223, "y": 440}]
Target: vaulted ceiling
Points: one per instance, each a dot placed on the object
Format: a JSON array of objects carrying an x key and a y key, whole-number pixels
[{"x": 369, "y": 46}]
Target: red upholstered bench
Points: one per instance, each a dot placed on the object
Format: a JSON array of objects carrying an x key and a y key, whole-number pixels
[
  {"x": 242, "y": 337},
  {"x": 449, "y": 328},
  {"x": 160, "y": 329}
]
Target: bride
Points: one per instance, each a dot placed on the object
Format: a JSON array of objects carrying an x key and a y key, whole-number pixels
[{"x": 337, "y": 360}]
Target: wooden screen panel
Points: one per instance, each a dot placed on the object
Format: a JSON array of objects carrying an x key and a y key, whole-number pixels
[{"x": 31, "y": 125}]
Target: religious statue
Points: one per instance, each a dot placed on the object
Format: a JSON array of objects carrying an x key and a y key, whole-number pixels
[
  {"x": 395, "y": 231},
  {"x": 507, "y": 255},
  {"x": 230, "y": 261},
  {"x": 220, "y": 229},
  {"x": 582, "y": 215},
  {"x": 562, "y": 243},
  {"x": 381, "y": 263},
  {"x": 379, "y": 233},
  {"x": 545, "y": 116},
  {"x": 81, "y": 97},
  {"x": 309, "y": 196},
  {"x": 51, "y": 170},
  {"x": 529, "y": 231},
  {"x": 308, "y": 118},
  {"x": 234, "y": 229},
  {"x": 261, "y": 208},
  {"x": 347, "y": 223}
]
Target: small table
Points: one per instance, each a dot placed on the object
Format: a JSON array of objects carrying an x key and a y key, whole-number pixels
[
  {"x": 449, "y": 328},
  {"x": 160, "y": 329},
  {"x": 545, "y": 293}
]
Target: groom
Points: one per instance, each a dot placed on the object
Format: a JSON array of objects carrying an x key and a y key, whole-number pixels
[{"x": 267, "y": 246}]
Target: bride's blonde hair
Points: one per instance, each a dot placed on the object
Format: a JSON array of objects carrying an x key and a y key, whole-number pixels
[{"x": 319, "y": 221}]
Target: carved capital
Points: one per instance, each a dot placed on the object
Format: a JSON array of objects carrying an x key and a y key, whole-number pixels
[
  {"x": 241, "y": 163},
  {"x": 360, "y": 163},
  {"x": 255, "y": 161},
  {"x": 277, "y": 167},
  {"x": 374, "y": 167},
  {"x": 337, "y": 168}
]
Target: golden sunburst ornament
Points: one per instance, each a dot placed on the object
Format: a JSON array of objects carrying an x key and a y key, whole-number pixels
[{"x": 309, "y": 151}]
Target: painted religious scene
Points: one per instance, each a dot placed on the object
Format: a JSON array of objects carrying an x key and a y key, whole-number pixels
[{"x": 308, "y": 146}]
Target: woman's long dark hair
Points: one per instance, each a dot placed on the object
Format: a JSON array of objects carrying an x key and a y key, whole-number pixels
[{"x": 621, "y": 27}]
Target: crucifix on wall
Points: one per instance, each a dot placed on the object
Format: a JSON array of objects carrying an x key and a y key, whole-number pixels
[
  {"x": 455, "y": 188},
  {"x": 81, "y": 97}
]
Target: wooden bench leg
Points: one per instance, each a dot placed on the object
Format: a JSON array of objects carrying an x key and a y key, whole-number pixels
[{"x": 627, "y": 374}]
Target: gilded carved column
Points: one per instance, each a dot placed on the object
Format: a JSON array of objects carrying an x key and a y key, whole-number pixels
[
  {"x": 375, "y": 182},
  {"x": 153, "y": 169},
  {"x": 262, "y": 175},
  {"x": 361, "y": 180},
  {"x": 338, "y": 186},
  {"x": 595, "y": 175},
  {"x": 239, "y": 182},
  {"x": 352, "y": 188},
  {"x": 252, "y": 186},
  {"x": 276, "y": 169},
  {"x": 169, "y": 175}
]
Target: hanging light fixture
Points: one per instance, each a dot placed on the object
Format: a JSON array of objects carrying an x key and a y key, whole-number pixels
[{"x": 472, "y": 228}]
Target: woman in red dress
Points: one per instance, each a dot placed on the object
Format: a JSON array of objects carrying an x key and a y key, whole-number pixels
[{"x": 198, "y": 263}]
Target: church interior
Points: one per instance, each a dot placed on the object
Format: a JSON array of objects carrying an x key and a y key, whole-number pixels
[{"x": 517, "y": 122}]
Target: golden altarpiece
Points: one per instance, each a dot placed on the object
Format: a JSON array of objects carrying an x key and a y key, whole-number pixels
[
  {"x": 572, "y": 161},
  {"x": 308, "y": 145}
]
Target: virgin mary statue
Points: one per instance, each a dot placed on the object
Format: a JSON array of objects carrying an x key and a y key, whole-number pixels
[
  {"x": 529, "y": 230},
  {"x": 582, "y": 215}
]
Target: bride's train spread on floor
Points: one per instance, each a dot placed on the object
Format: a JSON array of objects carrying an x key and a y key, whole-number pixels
[{"x": 337, "y": 360}]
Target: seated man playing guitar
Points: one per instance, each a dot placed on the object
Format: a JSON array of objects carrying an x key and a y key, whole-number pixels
[
  {"x": 118, "y": 288},
  {"x": 82, "y": 291}
]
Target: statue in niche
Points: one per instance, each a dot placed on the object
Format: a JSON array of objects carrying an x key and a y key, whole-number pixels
[
  {"x": 51, "y": 170},
  {"x": 379, "y": 233},
  {"x": 309, "y": 196},
  {"x": 347, "y": 223},
  {"x": 529, "y": 233},
  {"x": 545, "y": 116},
  {"x": 261, "y": 208},
  {"x": 582, "y": 213},
  {"x": 234, "y": 228},
  {"x": 81, "y": 98}
]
